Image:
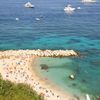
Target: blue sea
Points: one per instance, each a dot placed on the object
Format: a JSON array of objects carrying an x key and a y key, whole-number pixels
[{"x": 56, "y": 29}]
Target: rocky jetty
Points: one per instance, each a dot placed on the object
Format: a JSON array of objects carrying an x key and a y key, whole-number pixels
[{"x": 40, "y": 53}]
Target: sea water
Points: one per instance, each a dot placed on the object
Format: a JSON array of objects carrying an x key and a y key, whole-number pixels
[
  {"x": 86, "y": 70},
  {"x": 79, "y": 31}
]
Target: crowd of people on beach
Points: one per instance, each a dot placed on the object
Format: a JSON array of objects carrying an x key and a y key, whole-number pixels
[{"x": 18, "y": 69}]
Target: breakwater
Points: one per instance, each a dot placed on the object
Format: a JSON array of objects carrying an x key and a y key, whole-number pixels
[{"x": 40, "y": 53}]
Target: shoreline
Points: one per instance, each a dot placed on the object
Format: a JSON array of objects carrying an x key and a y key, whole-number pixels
[
  {"x": 48, "y": 84},
  {"x": 79, "y": 95},
  {"x": 18, "y": 69}
]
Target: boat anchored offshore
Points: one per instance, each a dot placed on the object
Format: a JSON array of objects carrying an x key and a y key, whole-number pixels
[
  {"x": 29, "y": 5},
  {"x": 88, "y": 1},
  {"x": 69, "y": 9}
]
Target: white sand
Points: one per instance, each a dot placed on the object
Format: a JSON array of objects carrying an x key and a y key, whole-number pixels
[{"x": 18, "y": 68}]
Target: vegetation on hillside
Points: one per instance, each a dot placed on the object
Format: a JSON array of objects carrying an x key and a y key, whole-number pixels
[{"x": 11, "y": 91}]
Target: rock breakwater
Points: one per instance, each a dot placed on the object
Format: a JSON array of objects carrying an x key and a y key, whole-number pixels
[{"x": 40, "y": 53}]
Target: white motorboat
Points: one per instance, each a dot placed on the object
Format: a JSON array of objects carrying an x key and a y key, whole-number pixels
[
  {"x": 88, "y": 1},
  {"x": 29, "y": 5},
  {"x": 69, "y": 9}
]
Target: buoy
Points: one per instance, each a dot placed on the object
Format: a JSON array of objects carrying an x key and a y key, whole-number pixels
[
  {"x": 78, "y": 8},
  {"x": 72, "y": 76},
  {"x": 37, "y": 19},
  {"x": 17, "y": 19}
]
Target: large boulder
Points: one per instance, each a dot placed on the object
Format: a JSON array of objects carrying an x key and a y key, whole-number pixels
[{"x": 44, "y": 66}]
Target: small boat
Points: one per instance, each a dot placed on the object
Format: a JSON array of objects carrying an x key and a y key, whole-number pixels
[
  {"x": 88, "y": 1},
  {"x": 37, "y": 19},
  {"x": 17, "y": 19},
  {"x": 69, "y": 9},
  {"x": 87, "y": 97},
  {"x": 29, "y": 5}
]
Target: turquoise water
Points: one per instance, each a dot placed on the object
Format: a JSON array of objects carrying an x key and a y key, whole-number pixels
[
  {"x": 57, "y": 30},
  {"x": 87, "y": 74}
]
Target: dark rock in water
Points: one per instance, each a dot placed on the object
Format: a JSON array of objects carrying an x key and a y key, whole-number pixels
[{"x": 44, "y": 66}]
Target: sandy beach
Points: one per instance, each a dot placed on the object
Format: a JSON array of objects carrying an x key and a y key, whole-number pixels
[{"x": 17, "y": 67}]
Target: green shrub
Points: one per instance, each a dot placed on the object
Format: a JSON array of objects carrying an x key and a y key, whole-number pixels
[{"x": 11, "y": 91}]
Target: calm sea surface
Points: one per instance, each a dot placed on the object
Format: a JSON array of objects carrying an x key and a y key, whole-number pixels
[{"x": 57, "y": 30}]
